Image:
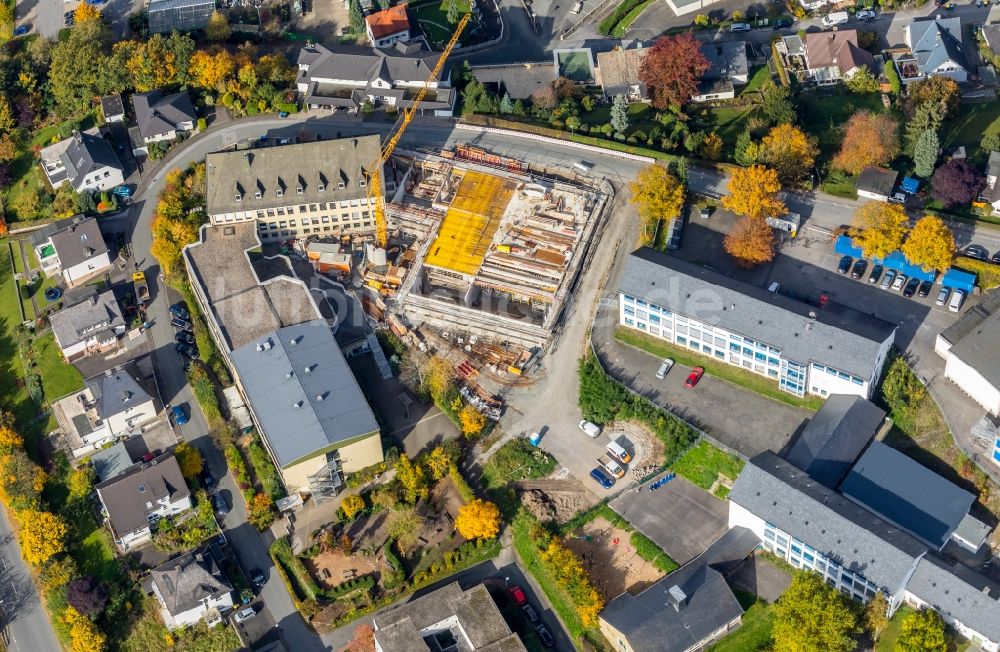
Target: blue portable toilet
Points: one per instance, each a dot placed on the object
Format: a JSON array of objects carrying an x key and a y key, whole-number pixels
[{"x": 535, "y": 438}]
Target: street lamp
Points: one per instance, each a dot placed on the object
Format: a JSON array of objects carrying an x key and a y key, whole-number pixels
[{"x": 506, "y": 582}]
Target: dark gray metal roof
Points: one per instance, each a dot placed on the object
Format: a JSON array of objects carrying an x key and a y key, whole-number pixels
[
  {"x": 728, "y": 551},
  {"x": 834, "y": 335},
  {"x": 903, "y": 492},
  {"x": 838, "y": 528},
  {"x": 187, "y": 580},
  {"x": 77, "y": 322},
  {"x": 834, "y": 437},
  {"x": 650, "y": 622},
  {"x": 116, "y": 391},
  {"x": 936, "y": 41},
  {"x": 302, "y": 391},
  {"x": 112, "y": 105},
  {"x": 87, "y": 153},
  {"x": 78, "y": 241},
  {"x": 960, "y": 593},
  {"x": 727, "y": 59},
  {"x": 157, "y": 114},
  {"x": 879, "y": 181},
  {"x": 126, "y": 495},
  {"x": 111, "y": 462},
  {"x": 405, "y": 63}
]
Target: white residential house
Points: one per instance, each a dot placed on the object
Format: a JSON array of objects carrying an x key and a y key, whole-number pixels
[
  {"x": 972, "y": 356},
  {"x": 86, "y": 161},
  {"x": 93, "y": 325},
  {"x": 73, "y": 249},
  {"x": 161, "y": 117},
  {"x": 111, "y": 406},
  {"x": 991, "y": 192},
  {"x": 935, "y": 50},
  {"x": 386, "y": 27},
  {"x": 135, "y": 500},
  {"x": 192, "y": 588}
]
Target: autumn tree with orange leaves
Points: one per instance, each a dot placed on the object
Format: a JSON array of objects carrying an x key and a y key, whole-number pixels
[
  {"x": 753, "y": 192},
  {"x": 869, "y": 139},
  {"x": 671, "y": 70},
  {"x": 175, "y": 223},
  {"x": 212, "y": 68},
  {"x": 750, "y": 242},
  {"x": 788, "y": 150},
  {"x": 84, "y": 12}
]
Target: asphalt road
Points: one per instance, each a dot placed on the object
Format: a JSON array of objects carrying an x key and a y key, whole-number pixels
[{"x": 28, "y": 628}]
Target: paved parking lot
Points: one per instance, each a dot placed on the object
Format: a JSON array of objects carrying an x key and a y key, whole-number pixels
[{"x": 657, "y": 514}]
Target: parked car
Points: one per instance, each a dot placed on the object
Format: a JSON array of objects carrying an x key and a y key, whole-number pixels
[
  {"x": 516, "y": 594},
  {"x": 219, "y": 503},
  {"x": 995, "y": 259},
  {"x": 740, "y": 27},
  {"x": 244, "y": 615},
  {"x": 865, "y": 14},
  {"x": 123, "y": 191},
  {"x": 844, "y": 265},
  {"x": 613, "y": 468},
  {"x": 177, "y": 310},
  {"x": 976, "y": 251},
  {"x": 591, "y": 429},
  {"x": 188, "y": 350},
  {"x": 781, "y": 23},
  {"x": 911, "y": 287},
  {"x": 705, "y": 212},
  {"x": 257, "y": 577},
  {"x": 942, "y": 296},
  {"x": 22, "y": 30},
  {"x": 544, "y": 635},
  {"x": 68, "y": 18},
  {"x": 694, "y": 377},
  {"x": 184, "y": 337},
  {"x": 876, "y": 273},
  {"x": 957, "y": 299},
  {"x": 149, "y": 456},
  {"x": 282, "y": 114},
  {"x": 835, "y": 18},
  {"x": 208, "y": 479},
  {"x": 664, "y": 369},
  {"x": 602, "y": 478},
  {"x": 530, "y": 613},
  {"x": 618, "y": 452},
  {"x": 900, "y": 281},
  {"x": 925, "y": 289},
  {"x": 859, "y": 269},
  {"x": 577, "y": 8},
  {"x": 180, "y": 418},
  {"x": 182, "y": 324},
  {"x": 888, "y": 279}
]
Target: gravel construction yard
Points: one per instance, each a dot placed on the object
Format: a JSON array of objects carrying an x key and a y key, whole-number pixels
[{"x": 611, "y": 560}]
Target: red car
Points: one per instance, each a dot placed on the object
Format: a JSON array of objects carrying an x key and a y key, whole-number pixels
[
  {"x": 517, "y": 595},
  {"x": 694, "y": 377}
]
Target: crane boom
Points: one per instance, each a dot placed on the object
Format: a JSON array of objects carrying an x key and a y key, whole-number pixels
[{"x": 375, "y": 181}]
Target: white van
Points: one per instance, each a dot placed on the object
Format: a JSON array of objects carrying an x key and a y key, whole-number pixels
[
  {"x": 835, "y": 18},
  {"x": 618, "y": 452},
  {"x": 584, "y": 166},
  {"x": 957, "y": 299},
  {"x": 591, "y": 429},
  {"x": 613, "y": 468},
  {"x": 577, "y": 8}
]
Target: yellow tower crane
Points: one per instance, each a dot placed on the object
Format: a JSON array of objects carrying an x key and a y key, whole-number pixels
[{"x": 375, "y": 174}]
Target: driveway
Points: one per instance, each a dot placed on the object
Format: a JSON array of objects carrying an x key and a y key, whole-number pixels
[{"x": 679, "y": 517}]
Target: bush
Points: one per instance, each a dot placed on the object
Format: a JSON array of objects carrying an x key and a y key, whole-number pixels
[
  {"x": 987, "y": 274},
  {"x": 265, "y": 471},
  {"x": 366, "y": 475},
  {"x": 464, "y": 490},
  {"x": 202, "y": 124},
  {"x": 365, "y": 582},
  {"x": 516, "y": 460},
  {"x": 607, "y": 26},
  {"x": 645, "y": 548},
  {"x": 301, "y": 582}
]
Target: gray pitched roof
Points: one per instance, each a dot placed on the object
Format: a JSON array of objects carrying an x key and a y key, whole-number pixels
[
  {"x": 650, "y": 622},
  {"x": 302, "y": 391},
  {"x": 79, "y": 241},
  {"x": 834, "y": 437},
  {"x": 187, "y": 580},
  {"x": 903, "y": 492},
  {"x": 991, "y": 34},
  {"x": 879, "y": 181},
  {"x": 960, "y": 593},
  {"x": 396, "y": 64},
  {"x": 288, "y": 167},
  {"x": 111, "y": 462},
  {"x": 729, "y": 550},
  {"x": 727, "y": 59},
  {"x": 125, "y": 496},
  {"x": 834, "y": 335},
  {"x": 157, "y": 114},
  {"x": 116, "y": 391},
  {"x": 77, "y": 322},
  {"x": 993, "y": 169},
  {"x": 978, "y": 348},
  {"x": 935, "y": 41},
  {"x": 779, "y": 493},
  {"x": 619, "y": 71},
  {"x": 88, "y": 153}
]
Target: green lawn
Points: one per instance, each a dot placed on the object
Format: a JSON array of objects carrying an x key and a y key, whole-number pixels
[
  {"x": 715, "y": 367},
  {"x": 15, "y": 247},
  {"x": 433, "y": 19},
  {"x": 824, "y": 114},
  {"x": 971, "y": 123},
  {"x": 730, "y": 123},
  {"x": 887, "y": 642},
  {"x": 753, "y": 635},
  {"x": 760, "y": 76},
  {"x": 516, "y": 460},
  {"x": 32, "y": 257},
  {"x": 704, "y": 463},
  {"x": 17, "y": 401},
  {"x": 58, "y": 378},
  {"x": 575, "y": 65}
]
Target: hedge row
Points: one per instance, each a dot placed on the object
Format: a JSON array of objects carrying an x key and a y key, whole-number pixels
[
  {"x": 466, "y": 555},
  {"x": 464, "y": 490},
  {"x": 607, "y": 26},
  {"x": 988, "y": 274},
  {"x": 366, "y": 582}
]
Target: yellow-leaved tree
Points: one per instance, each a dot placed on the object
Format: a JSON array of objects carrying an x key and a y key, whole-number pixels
[
  {"x": 750, "y": 242},
  {"x": 472, "y": 420},
  {"x": 189, "y": 459},
  {"x": 413, "y": 478},
  {"x": 83, "y": 633},
  {"x": 9, "y": 439},
  {"x": 753, "y": 192},
  {"x": 352, "y": 505},
  {"x": 84, "y": 12},
  {"x": 659, "y": 195},
  {"x": 478, "y": 519},
  {"x": 440, "y": 378},
  {"x": 218, "y": 27},
  {"x": 80, "y": 483},
  {"x": 212, "y": 68},
  {"x": 43, "y": 535},
  {"x": 438, "y": 462},
  {"x": 931, "y": 244},
  {"x": 879, "y": 228},
  {"x": 788, "y": 150}
]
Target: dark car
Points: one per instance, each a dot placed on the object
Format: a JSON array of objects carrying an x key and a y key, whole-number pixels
[
  {"x": 911, "y": 287},
  {"x": 694, "y": 377},
  {"x": 517, "y": 595},
  {"x": 859, "y": 268},
  {"x": 602, "y": 478},
  {"x": 996, "y": 258},
  {"x": 179, "y": 416},
  {"x": 188, "y": 350},
  {"x": 530, "y": 613},
  {"x": 184, "y": 337},
  {"x": 177, "y": 310},
  {"x": 257, "y": 577},
  {"x": 208, "y": 479},
  {"x": 219, "y": 503},
  {"x": 544, "y": 636},
  {"x": 876, "y": 274},
  {"x": 180, "y": 323},
  {"x": 844, "y": 265},
  {"x": 782, "y": 23},
  {"x": 675, "y": 231},
  {"x": 925, "y": 289},
  {"x": 976, "y": 251}
]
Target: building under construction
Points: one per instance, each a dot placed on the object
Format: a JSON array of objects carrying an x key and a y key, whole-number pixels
[{"x": 496, "y": 250}]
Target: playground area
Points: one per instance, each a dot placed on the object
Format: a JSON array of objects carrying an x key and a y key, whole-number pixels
[{"x": 611, "y": 560}]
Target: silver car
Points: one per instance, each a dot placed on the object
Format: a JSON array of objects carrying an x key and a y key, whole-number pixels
[
  {"x": 887, "y": 280},
  {"x": 900, "y": 281},
  {"x": 942, "y": 297}
]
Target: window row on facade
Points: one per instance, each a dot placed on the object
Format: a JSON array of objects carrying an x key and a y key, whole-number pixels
[{"x": 801, "y": 555}]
